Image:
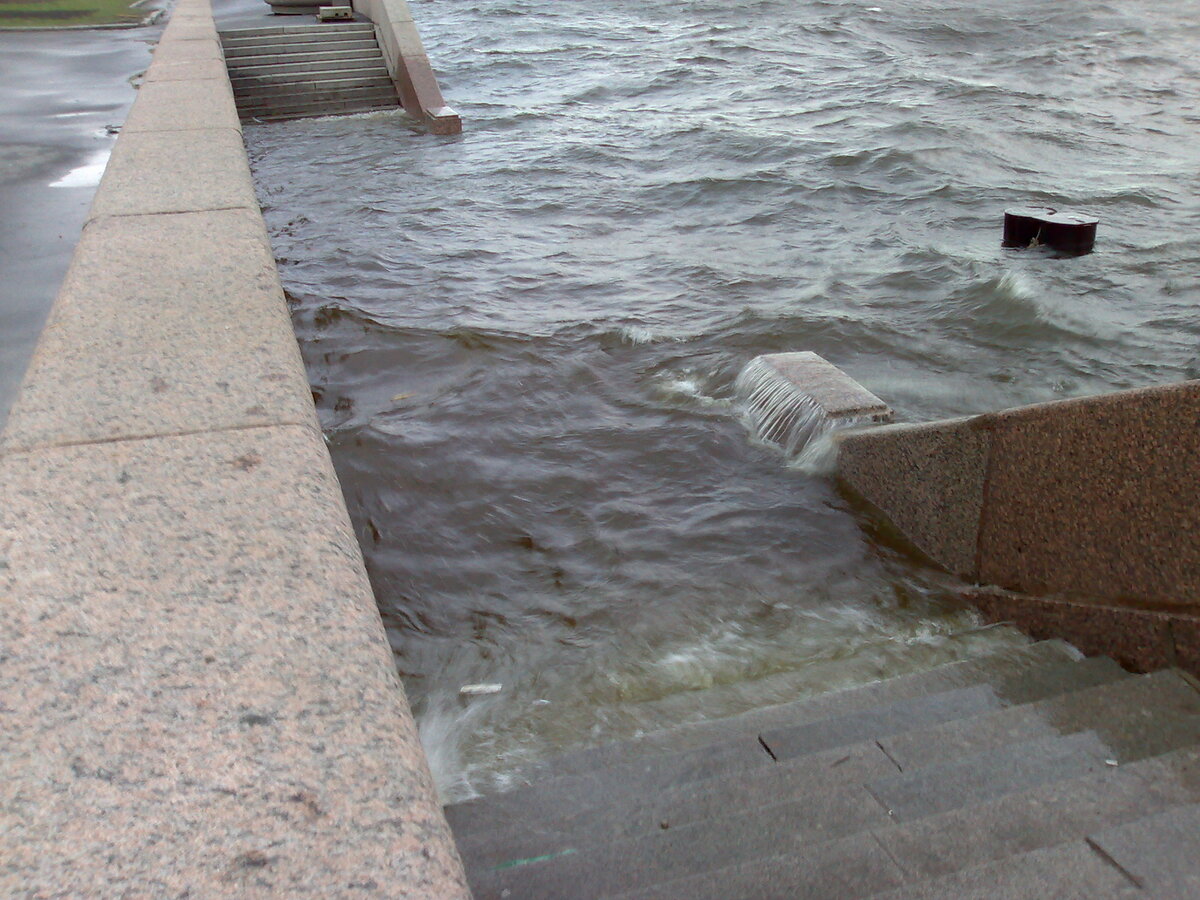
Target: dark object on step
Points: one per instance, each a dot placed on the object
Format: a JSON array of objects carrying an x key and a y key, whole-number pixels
[{"x": 1034, "y": 226}]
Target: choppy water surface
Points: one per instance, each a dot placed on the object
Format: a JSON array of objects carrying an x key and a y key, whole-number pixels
[{"x": 523, "y": 340}]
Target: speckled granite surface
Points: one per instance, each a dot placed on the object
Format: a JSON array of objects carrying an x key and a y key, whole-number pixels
[
  {"x": 928, "y": 480},
  {"x": 161, "y": 172},
  {"x": 197, "y": 698},
  {"x": 1083, "y": 514},
  {"x": 1097, "y": 496},
  {"x": 205, "y": 344},
  {"x": 197, "y": 691}
]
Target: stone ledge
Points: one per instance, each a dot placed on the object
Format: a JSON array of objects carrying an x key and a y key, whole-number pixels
[
  {"x": 191, "y": 70},
  {"x": 191, "y": 50},
  {"x": 1096, "y": 496},
  {"x": 182, "y": 106},
  {"x": 198, "y": 694},
  {"x": 164, "y": 325},
  {"x": 175, "y": 171}
]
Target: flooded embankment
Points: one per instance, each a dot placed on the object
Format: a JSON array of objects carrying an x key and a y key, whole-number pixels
[{"x": 523, "y": 341}]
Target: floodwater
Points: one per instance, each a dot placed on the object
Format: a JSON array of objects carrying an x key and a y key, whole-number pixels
[{"x": 523, "y": 340}]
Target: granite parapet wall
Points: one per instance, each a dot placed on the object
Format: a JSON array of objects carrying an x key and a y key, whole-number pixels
[
  {"x": 196, "y": 693},
  {"x": 1081, "y": 505}
]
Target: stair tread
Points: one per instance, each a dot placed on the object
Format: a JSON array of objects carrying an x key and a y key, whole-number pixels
[
  {"x": 998, "y": 771},
  {"x": 691, "y": 803},
  {"x": 973, "y": 836},
  {"x": 325, "y": 89},
  {"x": 697, "y": 734},
  {"x": 1162, "y": 851},
  {"x": 743, "y": 751},
  {"x": 907, "y": 716},
  {"x": 792, "y": 778},
  {"x": 1073, "y": 871},
  {"x": 319, "y": 110},
  {"x": 584, "y": 872},
  {"x": 1116, "y": 711}
]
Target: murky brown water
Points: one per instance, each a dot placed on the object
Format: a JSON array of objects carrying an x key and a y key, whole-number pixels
[{"x": 523, "y": 341}]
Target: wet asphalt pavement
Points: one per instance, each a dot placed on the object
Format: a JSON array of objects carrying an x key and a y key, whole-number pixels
[{"x": 63, "y": 94}]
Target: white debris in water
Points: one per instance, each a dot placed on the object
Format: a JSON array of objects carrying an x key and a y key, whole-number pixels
[{"x": 475, "y": 689}]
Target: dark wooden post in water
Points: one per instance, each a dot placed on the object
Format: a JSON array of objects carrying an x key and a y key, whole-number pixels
[{"x": 1033, "y": 226}]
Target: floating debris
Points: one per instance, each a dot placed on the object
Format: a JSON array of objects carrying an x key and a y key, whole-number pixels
[{"x": 476, "y": 689}]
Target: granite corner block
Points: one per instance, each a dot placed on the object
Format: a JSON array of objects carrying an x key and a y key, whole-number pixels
[{"x": 926, "y": 480}]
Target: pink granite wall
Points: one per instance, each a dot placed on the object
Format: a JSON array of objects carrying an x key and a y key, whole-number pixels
[
  {"x": 1092, "y": 500},
  {"x": 197, "y": 697}
]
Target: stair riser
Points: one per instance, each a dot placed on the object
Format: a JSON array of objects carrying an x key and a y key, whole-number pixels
[
  {"x": 242, "y": 50},
  {"x": 296, "y": 59},
  {"x": 311, "y": 81},
  {"x": 316, "y": 109},
  {"x": 944, "y": 678}
]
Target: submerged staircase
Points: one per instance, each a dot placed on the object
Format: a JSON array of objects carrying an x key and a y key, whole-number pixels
[
  {"x": 1034, "y": 772},
  {"x": 321, "y": 69}
]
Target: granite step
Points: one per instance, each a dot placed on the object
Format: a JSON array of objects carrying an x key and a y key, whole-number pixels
[
  {"x": 521, "y": 810},
  {"x": 1119, "y": 712},
  {"x": 1157, "y": 856},
  {"x": 586, "y": 872},
  {"x": 670, "y": 741},
  {"x": 329, "y": 31},
  {"x": 609, "y": 815},
  {"x": 777, "y": 825},
  {"x": 699, "y": 802},
  {"x": 910, "y": 715},
  {"x": 1005, "y": 770},
  {"x": 241, "y": 49},
  {"x": 1073, "y": 871},
  {"x": 1159, "y": 853},
  {"x": 960, "y": 839},
  {"x": 348, "y": 101},
  {"x": 316, "y": 90},
  {"x": 600, "y": 870},
  {"x": 306, "y": 110},
  {"x": 301, "y": 68}
]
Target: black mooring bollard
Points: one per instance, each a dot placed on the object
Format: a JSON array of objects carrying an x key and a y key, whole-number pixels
[{"x": 1034, "y": 226}]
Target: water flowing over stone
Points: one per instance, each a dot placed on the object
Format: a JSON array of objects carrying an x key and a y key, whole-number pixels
[{"x": 793, "y": 399}]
